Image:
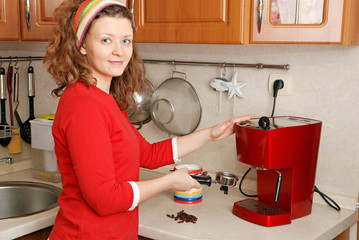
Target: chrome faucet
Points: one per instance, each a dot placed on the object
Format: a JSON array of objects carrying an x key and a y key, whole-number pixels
[{"x": 8, "y": 160}]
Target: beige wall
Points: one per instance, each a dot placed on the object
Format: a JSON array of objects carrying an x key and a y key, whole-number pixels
[{"x": 325, "y": 87}]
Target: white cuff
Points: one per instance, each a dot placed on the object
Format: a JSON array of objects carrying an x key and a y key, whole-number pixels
[
  {"x": 174, "y": 150},
  {"x": 136, "y": 195}
]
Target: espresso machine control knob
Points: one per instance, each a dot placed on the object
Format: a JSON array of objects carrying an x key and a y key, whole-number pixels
[{"x": 264, "y": 123}]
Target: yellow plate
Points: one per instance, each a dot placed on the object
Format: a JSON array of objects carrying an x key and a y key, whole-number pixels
[{"x": 190, "y": 193}]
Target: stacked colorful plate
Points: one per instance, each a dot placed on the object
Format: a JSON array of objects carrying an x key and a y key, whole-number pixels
[
  {"x": 195, "y": 195},
  {"x": 193, "y": 169},
  {"x": 191, "y": 197}
]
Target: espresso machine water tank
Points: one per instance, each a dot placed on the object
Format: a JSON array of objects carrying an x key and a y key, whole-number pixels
[{"x": 279, "y": 148}]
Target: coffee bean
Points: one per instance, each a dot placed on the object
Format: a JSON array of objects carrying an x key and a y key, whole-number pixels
[{"x": 182, "y": 217}]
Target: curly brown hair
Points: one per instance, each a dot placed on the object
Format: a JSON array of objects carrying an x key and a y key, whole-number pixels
[{"x": 67, "y": 65}]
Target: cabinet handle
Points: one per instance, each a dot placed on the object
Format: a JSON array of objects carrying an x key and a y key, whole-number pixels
[
  {"x": 28, "y": 24},
  {"x": 260, "y": 14},
  {"x": 133, "y": 18}
]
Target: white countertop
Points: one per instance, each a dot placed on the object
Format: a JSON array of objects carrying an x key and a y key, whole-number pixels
[
  {"x": 214, "y": 213},
  {"x": 216, "y": 221}
]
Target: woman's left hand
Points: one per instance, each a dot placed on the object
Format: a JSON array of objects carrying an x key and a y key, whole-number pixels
[{"x": 226, "y": 129}]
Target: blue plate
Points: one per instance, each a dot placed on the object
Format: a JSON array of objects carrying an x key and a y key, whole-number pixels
[
  {"x": 188, "y": 199},
  {"x": 188, "y": 196}
]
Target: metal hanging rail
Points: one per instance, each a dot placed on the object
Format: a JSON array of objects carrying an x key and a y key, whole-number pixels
[
  {"x": 218, "y": 64},
  {"x": 22, "y": 59},
  {"x": 172, "y": 62}
]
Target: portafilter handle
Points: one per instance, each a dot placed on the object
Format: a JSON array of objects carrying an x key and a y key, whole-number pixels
[{"x": 204, "y": 180}]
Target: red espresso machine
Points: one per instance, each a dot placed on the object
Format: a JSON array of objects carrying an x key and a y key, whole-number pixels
[{"x": 284, "y": 151}]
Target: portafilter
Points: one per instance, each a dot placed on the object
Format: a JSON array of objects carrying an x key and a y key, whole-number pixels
[{"x": 226, "y": 180}]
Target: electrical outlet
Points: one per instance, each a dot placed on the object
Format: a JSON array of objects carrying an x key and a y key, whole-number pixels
[{"x": 287, "y": 79}]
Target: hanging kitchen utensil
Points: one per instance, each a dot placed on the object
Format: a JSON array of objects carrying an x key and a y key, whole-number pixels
[
  {"x": 3, "y": 124},
  {"x": 9, "y": 87},
  {"x": 16, "y": 101},
  {"x": 140, "y": 113},
  {"x": 217, "y": 85},
  {"x": 175, "y": 106},
  {"x": 15, "y": 143},
  {"x": 26, "y": 135}
]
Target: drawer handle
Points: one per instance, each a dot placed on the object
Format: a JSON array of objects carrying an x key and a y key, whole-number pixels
[
  {"x": 28, "y": 24},
  {"x": 260, "y": 14},
  {"x": 133, "y": 17}
]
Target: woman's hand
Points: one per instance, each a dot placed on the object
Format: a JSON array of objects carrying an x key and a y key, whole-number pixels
[
  {"x": 178, "y": 180},
  {"x": 192, "y": 142},
  {"x": 226, "y": 129},
  {"x": 181, "y": 181}
]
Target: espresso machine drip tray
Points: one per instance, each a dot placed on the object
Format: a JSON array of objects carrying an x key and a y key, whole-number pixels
[{"x": 260, "y": 213}]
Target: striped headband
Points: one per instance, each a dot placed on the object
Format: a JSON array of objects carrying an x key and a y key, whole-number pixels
[{"x": 86, "y": 12}]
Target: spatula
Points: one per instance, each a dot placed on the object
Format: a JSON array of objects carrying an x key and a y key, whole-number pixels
[{"x": 26, "y": 126}]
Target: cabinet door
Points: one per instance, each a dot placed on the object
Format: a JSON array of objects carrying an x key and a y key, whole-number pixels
[
  {"x": 190, "y": 21},
  {"x": 41, "y": 19},
  {"x": 297, "y": 21},
  {"x": 9, "y": 20}
]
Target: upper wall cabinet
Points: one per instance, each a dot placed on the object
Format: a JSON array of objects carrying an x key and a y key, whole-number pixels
[
  {"x": 38, "y": 26},
  {"x": 190, "y": 21},
  {"x": 305, "y": 21},
  {"x": 27, "y": 20},
  {"x": 247, "y": 21},
  {"x": 9, "y": 22}
]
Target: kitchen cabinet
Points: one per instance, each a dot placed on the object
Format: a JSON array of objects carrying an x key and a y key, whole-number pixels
[
  {"x": 305, "y": 21},
  {"x": 13, "y": 21},
  {"x": 190, "y": 21},
  {"x": 236, "y": 22},
  {"x": 44, "y": 234},
  {"x": 41, "y": 19},
  {"x": 9, "y": 22},
  {"x": 38, "y": 235}
]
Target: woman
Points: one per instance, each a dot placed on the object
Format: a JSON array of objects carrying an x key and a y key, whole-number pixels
[{"x": 99, "y": 152}]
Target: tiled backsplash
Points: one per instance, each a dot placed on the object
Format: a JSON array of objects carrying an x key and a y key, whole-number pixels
[{"x": 325, "y": 87}]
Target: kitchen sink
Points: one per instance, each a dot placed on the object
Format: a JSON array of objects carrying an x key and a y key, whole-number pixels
[{"x": 19, "y": 199}]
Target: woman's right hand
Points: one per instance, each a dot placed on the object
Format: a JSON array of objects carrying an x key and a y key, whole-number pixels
[
  {"x": 181, "y": 181},
  {"x": 178, "y": 180}
]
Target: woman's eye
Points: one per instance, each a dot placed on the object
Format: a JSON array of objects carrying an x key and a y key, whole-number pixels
[
  {"x": 127, "y": 41},
  {"x": 106, "y": 40}
]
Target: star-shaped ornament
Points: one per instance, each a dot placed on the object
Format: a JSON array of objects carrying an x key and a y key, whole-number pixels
[{"x": 234, "y": 87}]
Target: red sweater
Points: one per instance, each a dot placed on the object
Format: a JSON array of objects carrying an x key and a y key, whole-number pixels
[{"x": 99, "y": 154}]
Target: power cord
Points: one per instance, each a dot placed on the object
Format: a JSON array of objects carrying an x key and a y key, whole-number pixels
[
  {"x": 240, "y": 185},
  {"x": 277, "y": 85},
  {"x": 327, "y": 199}
]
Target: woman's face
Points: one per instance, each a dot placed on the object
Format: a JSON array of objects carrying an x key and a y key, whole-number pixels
[{"x": 108, "y": 47}]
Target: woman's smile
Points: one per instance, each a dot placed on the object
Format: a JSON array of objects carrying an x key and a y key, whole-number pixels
[{"x": 117, "y": 62}]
